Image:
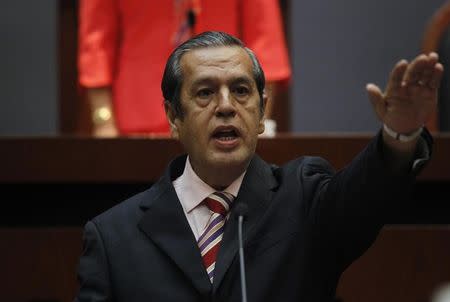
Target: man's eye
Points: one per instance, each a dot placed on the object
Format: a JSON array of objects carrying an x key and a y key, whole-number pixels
[
  {"x": 204, "y": 93},
  {"x": 241, "y": 91}
]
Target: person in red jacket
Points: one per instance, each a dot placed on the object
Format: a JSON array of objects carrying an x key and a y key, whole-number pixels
[{"x": 124, "y": 44}]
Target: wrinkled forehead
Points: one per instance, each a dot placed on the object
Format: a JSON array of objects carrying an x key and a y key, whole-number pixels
[{"x": 224, "y": 61}]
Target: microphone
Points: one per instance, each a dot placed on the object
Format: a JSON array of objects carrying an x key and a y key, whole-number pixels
[
  {"x": 191, "y": 18},
  {"x": 241, "y": 210}
]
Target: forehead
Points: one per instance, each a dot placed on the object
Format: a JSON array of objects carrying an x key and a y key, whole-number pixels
[{"x": 216, "y": 62}]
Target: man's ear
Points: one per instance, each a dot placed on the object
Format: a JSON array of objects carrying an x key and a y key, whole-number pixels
[
  {"x": 261, "y": 125},
  {"x": 172, "y": 119}
]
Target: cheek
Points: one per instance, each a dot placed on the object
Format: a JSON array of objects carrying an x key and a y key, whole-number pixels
[
  {"x": 253, "y": 117},
  {"x": 198, "y": 127}
]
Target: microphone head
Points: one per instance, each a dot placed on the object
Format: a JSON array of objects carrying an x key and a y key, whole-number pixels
[
  {"x": 241, "y": 209},
  {"x": 191, "y": 20}
]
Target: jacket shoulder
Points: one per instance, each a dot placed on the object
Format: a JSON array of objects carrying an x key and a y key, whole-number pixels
[{"x": 308, "y": 166}]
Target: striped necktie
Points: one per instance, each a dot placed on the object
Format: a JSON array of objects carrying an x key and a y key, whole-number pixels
[{"x": 209, "y": 242}]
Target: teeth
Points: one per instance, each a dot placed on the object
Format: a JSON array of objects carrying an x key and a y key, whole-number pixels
[
  {"x": 230, "y": 133},
  {"x": 226, "y": 138}
]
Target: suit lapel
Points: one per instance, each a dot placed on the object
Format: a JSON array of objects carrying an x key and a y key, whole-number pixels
[
  {"x": 256, "y": 192},
  {"x": 165, "y": 223}
]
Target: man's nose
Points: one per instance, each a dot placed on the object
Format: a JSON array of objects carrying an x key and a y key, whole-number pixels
[{"x": 225, "y": 104}]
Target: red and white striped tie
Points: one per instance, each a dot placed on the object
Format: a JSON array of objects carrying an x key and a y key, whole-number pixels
[{"x": 209, "y": 242}]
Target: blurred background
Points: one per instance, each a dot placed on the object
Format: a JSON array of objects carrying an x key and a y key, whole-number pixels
[
  {"x": 56, "y": 171},
  {"x": 335, "y": 48}
]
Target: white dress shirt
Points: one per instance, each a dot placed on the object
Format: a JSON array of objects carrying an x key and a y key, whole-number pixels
[{"x": 191, "y": 191}]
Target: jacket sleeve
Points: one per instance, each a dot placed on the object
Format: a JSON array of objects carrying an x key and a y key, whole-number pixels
[
  {"x": 350, "y": 207},
  {"x": 262, "y": 31},
  {"x": 98, "y": 42},
  {"x": 93, "y": 273}
]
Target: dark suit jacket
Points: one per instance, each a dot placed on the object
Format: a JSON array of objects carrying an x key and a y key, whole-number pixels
[{"x": 304, "y": 226}]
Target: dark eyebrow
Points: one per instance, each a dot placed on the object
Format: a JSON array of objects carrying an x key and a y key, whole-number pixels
[
  {"x": 243, "y": 79},
  {"x": 233, "y": 81},
  {"x": 202, "y": 81}
]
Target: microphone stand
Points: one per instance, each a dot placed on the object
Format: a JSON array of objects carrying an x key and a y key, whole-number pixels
[{"x": 241, "y": 258}]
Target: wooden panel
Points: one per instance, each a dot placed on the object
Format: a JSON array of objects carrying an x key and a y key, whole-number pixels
[
  {"x": 404, "y": 264},
  {"x": 71, "y": 108},
  {"x": 39, "y": 264},
  {"x": 72, "y": 159}
]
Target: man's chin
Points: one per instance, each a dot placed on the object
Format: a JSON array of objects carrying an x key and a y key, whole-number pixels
[{"x": 230, "y": 161}]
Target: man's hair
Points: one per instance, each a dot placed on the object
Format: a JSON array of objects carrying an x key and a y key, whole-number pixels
[{"x": 173, "y": 76}]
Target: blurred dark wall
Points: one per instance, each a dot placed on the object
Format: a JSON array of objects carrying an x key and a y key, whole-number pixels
[
  {"x": 28, "y": 69},
  {"x": 337, "y": 47}
]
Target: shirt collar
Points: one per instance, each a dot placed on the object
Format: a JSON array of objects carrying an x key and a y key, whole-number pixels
[{"x": 197, "y": 190}]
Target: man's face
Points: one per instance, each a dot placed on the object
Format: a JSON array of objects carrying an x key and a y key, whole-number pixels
[{"x": 221, "y": 114}]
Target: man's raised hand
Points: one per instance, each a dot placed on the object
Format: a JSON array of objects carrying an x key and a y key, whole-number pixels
[{"x": 411, "y": 93}]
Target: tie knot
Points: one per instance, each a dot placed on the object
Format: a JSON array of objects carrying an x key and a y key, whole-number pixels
[{"x": 219, "y": 202}]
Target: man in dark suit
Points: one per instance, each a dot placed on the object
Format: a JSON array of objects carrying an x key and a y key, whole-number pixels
[{"x": 305, "y": 223}]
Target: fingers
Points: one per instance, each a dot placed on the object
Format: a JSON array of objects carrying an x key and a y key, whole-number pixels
[
  {"x": 394, "y": 85},
  {"x": 428, "y": 73},
  {"x": 376, "y": 98},
  {"x": 411, "y": 92},
  {"x": 423, "y": 71},
  {"x": 435, "y": 78},
  {"x": 414, "y": 72}
]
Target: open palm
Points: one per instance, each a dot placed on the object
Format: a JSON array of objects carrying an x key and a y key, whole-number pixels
[{"x": 411, "y": 93}]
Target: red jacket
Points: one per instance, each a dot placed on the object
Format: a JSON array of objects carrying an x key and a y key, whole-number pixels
[{"x": 125, "y": 44}]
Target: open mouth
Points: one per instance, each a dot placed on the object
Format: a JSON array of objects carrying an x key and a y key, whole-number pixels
[{"x": 225, "y": 135}]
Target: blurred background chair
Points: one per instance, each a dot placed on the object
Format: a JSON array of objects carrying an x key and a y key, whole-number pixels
[{"x": 437, "y": 38}]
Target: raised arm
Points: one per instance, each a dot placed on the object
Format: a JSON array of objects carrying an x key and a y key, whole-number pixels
[{"x": 351, "y": 206}]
